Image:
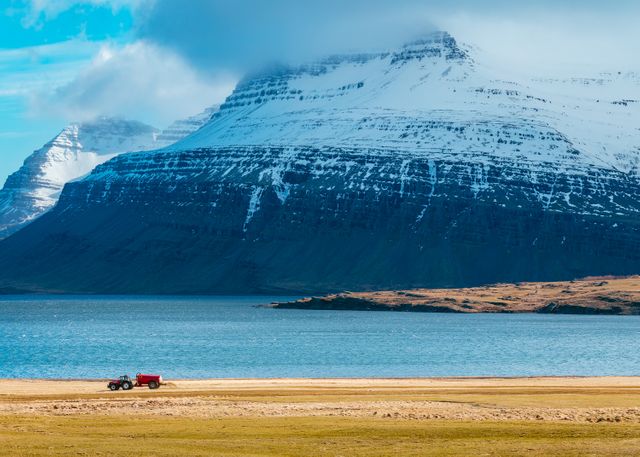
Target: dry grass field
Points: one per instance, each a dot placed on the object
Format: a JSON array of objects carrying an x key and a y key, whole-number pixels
[{"x": 349, "y": 417}]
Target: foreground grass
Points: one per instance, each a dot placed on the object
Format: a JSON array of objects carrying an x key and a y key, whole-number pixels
[{"x": 307, "y": 436}]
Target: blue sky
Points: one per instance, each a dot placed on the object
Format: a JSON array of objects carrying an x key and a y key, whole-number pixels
[{"x": 161, "y": 60}]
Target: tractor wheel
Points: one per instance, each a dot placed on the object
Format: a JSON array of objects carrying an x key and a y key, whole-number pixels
[
  {"x": 113, "y": 386},
  {"x": 127, "y": 385},
  {"x": 153, "y": 385}
]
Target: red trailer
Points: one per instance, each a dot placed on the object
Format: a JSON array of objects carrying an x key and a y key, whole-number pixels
[{"x": 151, "y": 380}]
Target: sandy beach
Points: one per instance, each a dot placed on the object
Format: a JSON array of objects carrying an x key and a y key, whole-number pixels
[
  {"x": 611, "y": 399},
  {"x": 52, "y": 410}
]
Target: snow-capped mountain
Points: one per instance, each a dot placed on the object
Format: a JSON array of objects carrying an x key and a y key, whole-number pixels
[
  {"x": 74, "y": 152},
  {"x": 420, "y": 166}
]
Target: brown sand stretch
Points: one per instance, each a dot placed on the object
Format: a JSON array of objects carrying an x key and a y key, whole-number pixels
[{"x": 608, "y": 399}]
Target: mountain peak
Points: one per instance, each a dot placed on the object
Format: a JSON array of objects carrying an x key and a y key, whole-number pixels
[
  {"x": 74, "y": 152},
  {"x": 104, "y": 135},
  {"x": 115, "y": 126},
  {"x": 433, "y": 45}
]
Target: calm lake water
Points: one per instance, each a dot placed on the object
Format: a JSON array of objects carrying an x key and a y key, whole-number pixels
[{"x": 202, "y": 337}]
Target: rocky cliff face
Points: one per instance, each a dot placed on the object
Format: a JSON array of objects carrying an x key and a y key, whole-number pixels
[{"x": 415, "y": 167}]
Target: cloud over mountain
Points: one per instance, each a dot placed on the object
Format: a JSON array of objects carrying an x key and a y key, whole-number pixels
[
  {"x": 216, "y": 34},
  {"x": 140, "y": 80}
]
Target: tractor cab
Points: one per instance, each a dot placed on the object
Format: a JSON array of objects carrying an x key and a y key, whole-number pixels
[{"x": 123, "y": 382}]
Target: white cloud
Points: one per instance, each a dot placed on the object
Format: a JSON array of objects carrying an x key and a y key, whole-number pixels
[{"x": 140, "y": 81}]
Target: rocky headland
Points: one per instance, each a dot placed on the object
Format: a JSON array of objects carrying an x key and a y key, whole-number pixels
[{"x": 605, "y": 295}]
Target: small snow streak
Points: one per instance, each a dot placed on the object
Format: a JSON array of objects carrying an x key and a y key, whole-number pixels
[
  {"x": 433, "y": 179},
  {"x": 254, "y": 206},
  {"x": 404, "y": 168}
]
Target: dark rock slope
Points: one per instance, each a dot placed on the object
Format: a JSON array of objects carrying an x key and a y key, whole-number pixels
[{"x": 412, "y": 168}]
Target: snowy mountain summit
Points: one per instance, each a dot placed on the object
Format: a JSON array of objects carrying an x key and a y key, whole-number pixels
[
  {"x": 419, "y": 166},
  {"x": 73, "y": 153}
]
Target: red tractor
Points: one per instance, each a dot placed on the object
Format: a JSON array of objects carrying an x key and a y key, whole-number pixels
[{"x": 125, "y": 382}]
